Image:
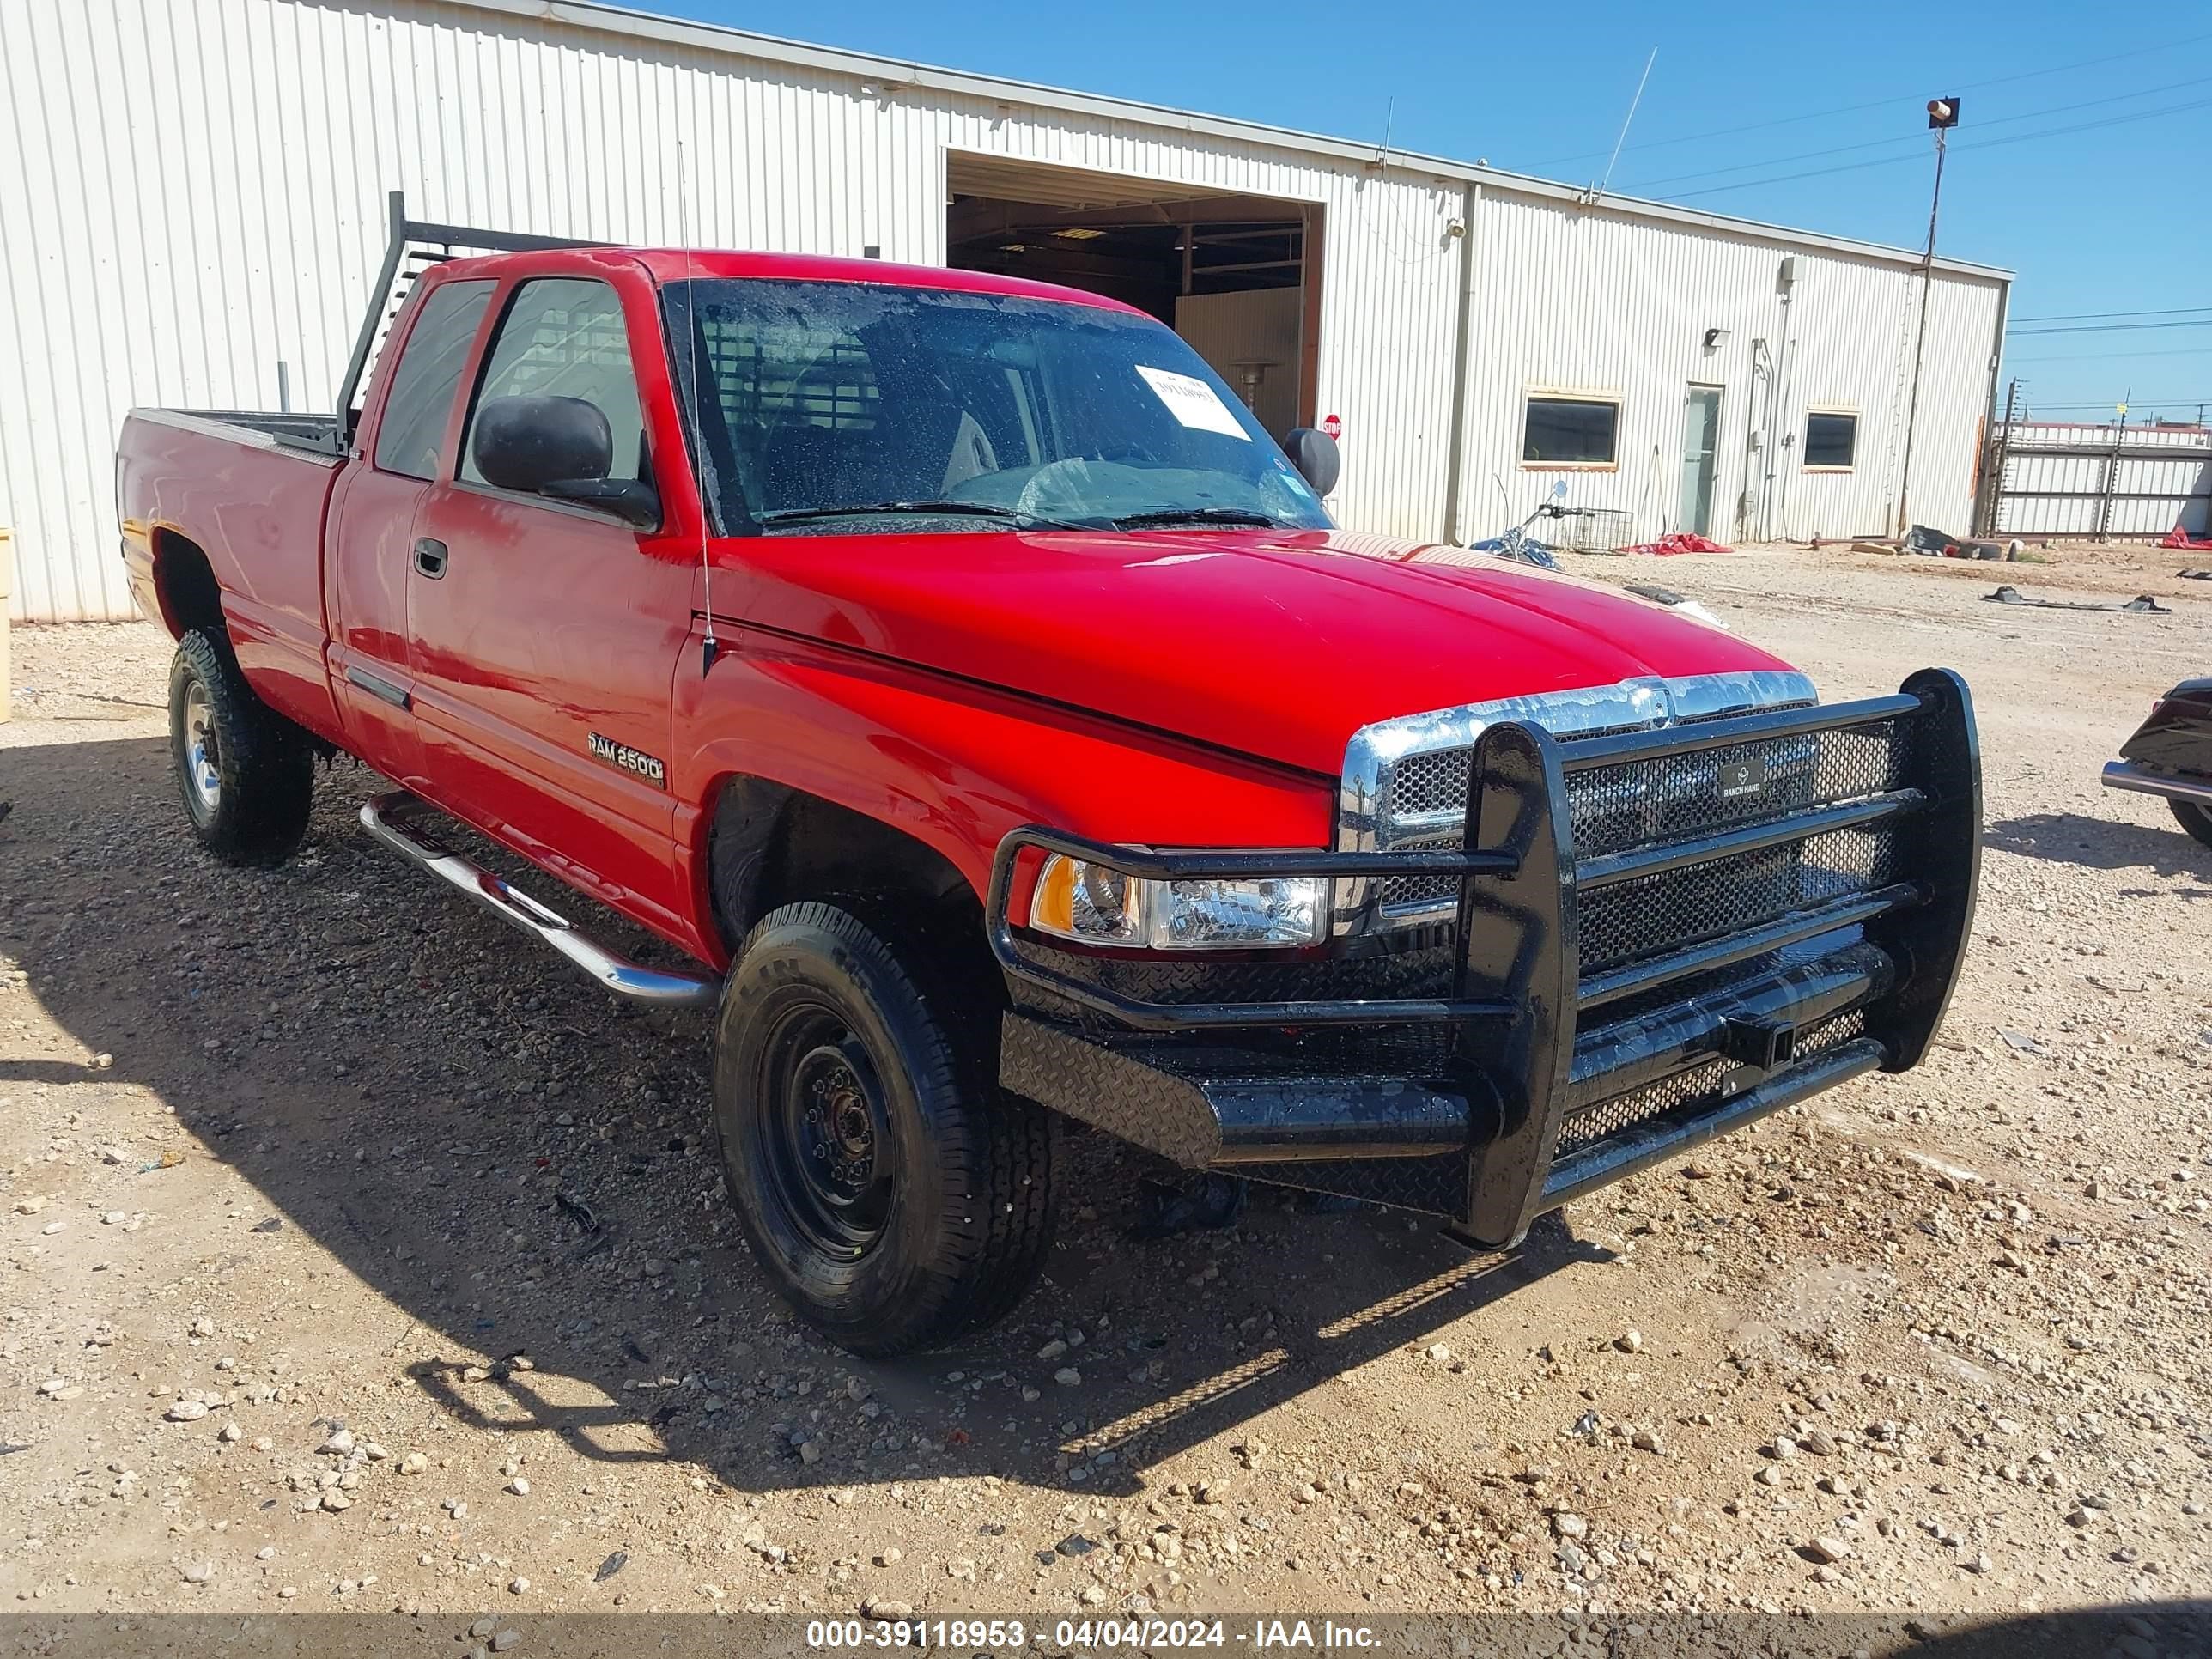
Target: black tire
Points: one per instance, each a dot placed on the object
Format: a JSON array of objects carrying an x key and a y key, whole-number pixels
[
  {"x": 893, "y": 1195},
  {"x": 2195, "y": 819},
  {"x": 246, "y": 774}
]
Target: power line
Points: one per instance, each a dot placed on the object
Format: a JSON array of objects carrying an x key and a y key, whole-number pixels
[
  {"x": 2106, "y": 328},
  {"x": 1893, "y": 161},
  {"x": 1915, "y": 138},
  {"x": 2094, "y": 316},
  {"x": 1884, "y": 103}
]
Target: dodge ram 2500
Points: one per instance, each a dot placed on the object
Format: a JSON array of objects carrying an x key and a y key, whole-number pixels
[{"x": 953, "y": 669}]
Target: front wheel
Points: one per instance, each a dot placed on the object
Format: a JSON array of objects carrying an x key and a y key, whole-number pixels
[
  {"x": 247, "y": 774},
  {"x": 893, "y": 1194},
  {"x": 2195, "y": 819}
]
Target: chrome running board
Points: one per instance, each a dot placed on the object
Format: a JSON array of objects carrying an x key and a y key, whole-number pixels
[
  {"x": 2119, "y": 775},
  {"x": 389, "y": 819}
]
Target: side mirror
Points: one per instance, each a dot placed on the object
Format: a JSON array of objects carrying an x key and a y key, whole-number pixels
[
  {"x": 527, "y": 443},
  {"x": 560, "y": 449},
  {"x": 1560, "y": 491},
  {"x": 1315, "y": 454}
]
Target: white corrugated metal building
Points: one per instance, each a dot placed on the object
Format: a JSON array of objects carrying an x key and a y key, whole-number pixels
[{"x": 197, "y": 206}]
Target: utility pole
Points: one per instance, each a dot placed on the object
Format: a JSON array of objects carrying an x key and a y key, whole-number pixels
[{"x": 1943, "y": 115}]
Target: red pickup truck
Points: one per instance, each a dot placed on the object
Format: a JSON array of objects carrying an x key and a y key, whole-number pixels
[{"x": 953, "y": 670}]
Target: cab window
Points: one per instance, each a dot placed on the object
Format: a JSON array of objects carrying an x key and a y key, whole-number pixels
[
  {"x": 426, "y": 377},
  {"x": 562, "y": 338}
]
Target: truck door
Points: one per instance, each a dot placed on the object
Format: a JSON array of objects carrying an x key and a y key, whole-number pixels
[
  {"x": 371, "y": 533},
  {"x": 545, "y": 633}
]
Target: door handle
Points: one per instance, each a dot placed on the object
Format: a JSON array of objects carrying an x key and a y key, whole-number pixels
[{"x": 431, "y": 558}]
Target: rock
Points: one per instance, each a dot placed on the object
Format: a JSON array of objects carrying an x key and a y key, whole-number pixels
[
  {"x": 1074, "y": 1544},
  {"x": 52, "y": 1385},
  {"x": 1980, "y": 1564},
  {"x": 203, "y": 1327},
  {"x": 341, "y": 1441},
  {"x": 199, "y": 1572},
  {"x": 1818, "y": 1442},
  {"x": 608, "y": 1568},
  {"x": 1067, "y": 1376},
  {"x": 520, "y": 1485},
  {"x": 1647, "y": 1440},
  {"x": 518, "y": 1586},
  {"x": 1768, "y": 1476},
  {"x": 375, "y": 1453},
  {"x": 889, "y": 1558},
  {"x": 505, "y": 1641},
  {"x": 266, "y": 1553},
  {"x": 1629, "y": 1342},
  {"x": 483, "y": 1628},
  {"x": 1569, "y": 1526},
  {"x": 878, "y": 1606},
  {"x": 187, "y": 1411},
  {"x": 1827, "y": 1549},
  {"x": 414, "y": 1463},
  {"x": 1438, "y": 1353},
  {"x": 30, "y": 1205},
  {"x": 336, "y": 1501},
  {"x": 1052, "y": 1350},
  {"x": 1783, "y": 1446},
  {"x": 230, "y": 1433},
  {"x": 857, "y": 1390}
]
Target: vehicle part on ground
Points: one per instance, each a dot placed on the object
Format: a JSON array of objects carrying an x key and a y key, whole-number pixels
[
  {"x": 247, "y": 774},
  {"x": 396, "y": 820},
  {"x": 2195, "y": 816},
  {"x": 1632, "y": 969},
  {"x": 2142, "y": 605},
  {"x": 893, "y": 1194}
]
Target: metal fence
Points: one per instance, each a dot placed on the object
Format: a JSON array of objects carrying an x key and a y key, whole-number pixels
[{"x": 2097, "y": 483}]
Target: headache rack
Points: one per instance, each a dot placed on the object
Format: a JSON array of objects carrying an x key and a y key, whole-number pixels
[{"x": 1659, "y": 936}]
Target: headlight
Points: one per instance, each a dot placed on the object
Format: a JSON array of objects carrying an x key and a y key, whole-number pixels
[{"x": 1097, "y": 904}]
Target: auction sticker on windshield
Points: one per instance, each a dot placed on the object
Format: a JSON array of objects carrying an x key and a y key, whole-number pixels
[{"x": 1192, "y": 402}]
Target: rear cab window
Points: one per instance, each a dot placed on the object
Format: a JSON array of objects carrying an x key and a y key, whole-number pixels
[{"x": 424, "y": 380}]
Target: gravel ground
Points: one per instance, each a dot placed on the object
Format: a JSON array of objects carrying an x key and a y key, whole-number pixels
[{"x": 357, "y": 1260}]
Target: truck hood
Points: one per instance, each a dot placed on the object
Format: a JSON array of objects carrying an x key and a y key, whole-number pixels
[{"x": 1277, "y": 644}]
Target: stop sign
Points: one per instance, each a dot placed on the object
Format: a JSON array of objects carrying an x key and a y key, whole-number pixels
[{"x": 1333, "y": 425}]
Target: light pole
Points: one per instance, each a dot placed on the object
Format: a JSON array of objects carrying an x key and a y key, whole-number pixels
[{"x": 1943, "y": 115}]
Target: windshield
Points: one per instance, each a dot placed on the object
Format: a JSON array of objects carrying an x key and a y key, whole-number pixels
[{"x": 830, "y": 408}]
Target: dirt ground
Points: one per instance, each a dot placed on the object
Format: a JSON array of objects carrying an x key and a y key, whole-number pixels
[{"x": 356, "y": 1259}]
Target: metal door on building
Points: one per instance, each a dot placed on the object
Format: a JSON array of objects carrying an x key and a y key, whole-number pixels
[{"x": 1701, "y": 448}]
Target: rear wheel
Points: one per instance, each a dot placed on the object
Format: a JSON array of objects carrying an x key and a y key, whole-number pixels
[
  {"x": 893, "y": 1195},
  {"x": 2195, "y": 819},
  {"x": 246, "y": 774}
]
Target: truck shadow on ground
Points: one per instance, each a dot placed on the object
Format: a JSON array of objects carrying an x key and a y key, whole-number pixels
[
  {"x": 526, "y": 1171},
  {"x": 2100, "y": 844}
]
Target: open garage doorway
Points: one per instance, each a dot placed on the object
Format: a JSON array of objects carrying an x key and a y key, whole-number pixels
[{"x": 1237, "y": 276}]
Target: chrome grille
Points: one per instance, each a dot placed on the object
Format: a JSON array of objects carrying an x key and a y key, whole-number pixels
[{"x": 1405, "y": 781}]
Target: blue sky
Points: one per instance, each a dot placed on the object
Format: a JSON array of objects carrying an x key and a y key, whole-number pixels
[{"x": 2099, "y": 195}]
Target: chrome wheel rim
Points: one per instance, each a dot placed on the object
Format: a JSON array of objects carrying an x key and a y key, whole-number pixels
[{"x": 203, "y": 751}]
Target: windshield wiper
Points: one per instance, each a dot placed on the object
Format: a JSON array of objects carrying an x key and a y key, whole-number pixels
[
  {"x": 1200, "y": 515},
  {"x": 925, "y": 509}
]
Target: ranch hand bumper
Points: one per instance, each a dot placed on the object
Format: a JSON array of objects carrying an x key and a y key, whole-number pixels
[{"x": 1705, "y": 959}]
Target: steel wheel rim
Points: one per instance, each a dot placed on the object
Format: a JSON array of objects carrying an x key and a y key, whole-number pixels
[
  {"x": 203, "y": 751},
  {"x": 823, "y": 1131}
]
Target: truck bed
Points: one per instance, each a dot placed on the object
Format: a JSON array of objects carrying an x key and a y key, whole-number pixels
[
  {"x": 249, "y": 490},
  {"x": 319, "y": 432}
]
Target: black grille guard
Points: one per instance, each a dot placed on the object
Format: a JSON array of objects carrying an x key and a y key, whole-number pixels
[{"x": 1531, "y": 1038}]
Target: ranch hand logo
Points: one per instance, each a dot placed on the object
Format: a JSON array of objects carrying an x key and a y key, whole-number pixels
[
  {"x": 629, "y": 759},
  {"x": 1741, "y": 777}
]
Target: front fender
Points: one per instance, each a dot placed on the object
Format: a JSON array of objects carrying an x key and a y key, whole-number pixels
[{"x": 956, "y": 765}]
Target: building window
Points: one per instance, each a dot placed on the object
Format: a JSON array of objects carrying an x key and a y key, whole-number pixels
[
  {"x": 1831, "y": 440},
  {"x": 1573, "y": 431}
]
